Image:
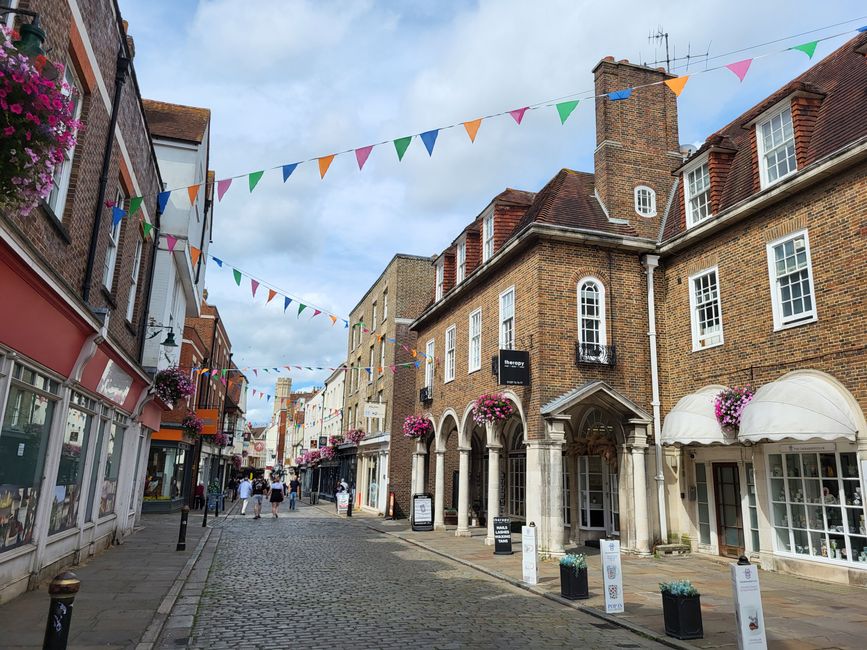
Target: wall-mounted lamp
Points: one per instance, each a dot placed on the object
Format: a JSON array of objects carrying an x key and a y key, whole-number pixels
[{"x": 170, "y": 337}]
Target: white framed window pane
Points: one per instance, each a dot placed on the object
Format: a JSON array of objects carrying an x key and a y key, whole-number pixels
[
  {"x": 778, "y": 146},
  {"x": 440, "y": 271},
  {"x": 113, "y": 242},
  {"x": 384, "y": 305},
  {"x": 567, "y": 498},
  {"x": 133, "y": 287},
  {"x": 382, "y": 356},
  {"x": 698, "y": 193},
  {"x": 517, "y": 484},
  {"x": 112, "y": 469},
  {"x": 487, "y": 237},
  {"x": 373, "y": 327},
  {"x": 429, "y": 364},
  {"x": 70, "y": 472},
  {"x": 793, "y": 283},
  {"x": 707, "y": 313},
  {"x": 62, "y": 172},
  {"x": 645, "y": 201},
  {"x": 507, "y": 320},
  {"x": 370, "y": 366},
  {"x": 450, "y": 354},
  {"x": 702, "y": 499},
  {"x": 591, "y": 314},
  {"x": 462, "y": 261},
  {"x": 475, "y": 346}
]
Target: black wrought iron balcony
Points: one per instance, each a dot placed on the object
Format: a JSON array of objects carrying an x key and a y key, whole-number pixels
[
  {"x": 425, "y": 395},
  {"x": 604, "y": 355}
]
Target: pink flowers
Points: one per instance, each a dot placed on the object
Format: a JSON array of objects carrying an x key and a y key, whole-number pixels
[
  {"x": 729, "y": 405},
  {"x": 417, "y": 426},
  {"x": 491, "y": 407},
  {"x": 192, "y": 424},
  {"x": 327, "y": 453},
  {"x": 172, "y": 384},
  {"x": 335, "y": 440},
  {"x": 311, "y": 457},
  {"x": 355, "y": 436}
]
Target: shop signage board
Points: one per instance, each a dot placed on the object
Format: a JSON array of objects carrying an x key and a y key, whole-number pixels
[
  {"x": 502, "y": 536},
  {"x": 514, "y": 368},
  {"x": 342, "y": 503},
  {"x": 808, "y": 447},
  {"x": 210, "y": 419},
  {"x": 530, "y": 560},
  {"x": 748, "y": 606},
  {"x": 422, "y": 512},
  {"x": 612, "y": 577},
  {"x": 374, "y": 410}
]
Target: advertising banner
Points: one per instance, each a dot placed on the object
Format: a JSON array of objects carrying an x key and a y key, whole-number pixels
[{"x": 611, "y": 576}]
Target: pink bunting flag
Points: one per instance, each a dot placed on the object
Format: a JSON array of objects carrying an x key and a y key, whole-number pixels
[
  {"x": 222, "y": 186},
  {"x": 361, "y": 155},
  {"x": 740, "y": 68},
  {"x": 171, "y": 241},
  {"x": 254, "y": 286},
  {"x": 316, "y": 312},
  {"x": 518, "y": 114},
  {"x": 393, "y": 369}
]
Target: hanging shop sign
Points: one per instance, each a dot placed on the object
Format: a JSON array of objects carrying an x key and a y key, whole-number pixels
[
  {"x": 514, "y": 368},
  {"x": 611, "y": 576},
  {"x": 530, "y": 559},
  {"x": 374, "y": 410},
  {"x": 502, "y": 536},
  {"x": 209, "y": 418},
  {"x": 748, "y": 606},
  {"x": 314, "y": 443},
  {"x": 323, "y": 440},
  {"x": 422, "y": 512}
]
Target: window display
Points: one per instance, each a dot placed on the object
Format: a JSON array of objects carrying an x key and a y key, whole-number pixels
[
  {"x": 23, "y": 440},
  {"x": 70, "y": 472},
  {"x": 165, "y": 474},
  {"x": 818, "y": 508},
  {"x": 114, "y": 450}
]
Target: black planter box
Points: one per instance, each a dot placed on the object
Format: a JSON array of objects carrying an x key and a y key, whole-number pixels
[
  {"x": 573, "y": 585},
  {"x": 682, "y": 616}
]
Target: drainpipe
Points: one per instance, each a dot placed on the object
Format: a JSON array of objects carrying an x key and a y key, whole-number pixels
[
  {"x": 121, "y": 71},
  {"x": 650, "y": 262}
]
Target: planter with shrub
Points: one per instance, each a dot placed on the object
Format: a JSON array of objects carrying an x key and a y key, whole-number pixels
[
  {"x": 573, "y": 577},
  {"x": 681, "y": 609}
]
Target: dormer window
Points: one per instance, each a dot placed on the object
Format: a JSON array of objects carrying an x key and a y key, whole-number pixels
[
  {"x": 775, "y": 138},
  {"x": 440, "y": 280},
  {"x": 645, "y": 201},
  {"x": 487, "y": 237},
  {"x": 696, "y": 188},
  {"x": 462, "y": 261}
]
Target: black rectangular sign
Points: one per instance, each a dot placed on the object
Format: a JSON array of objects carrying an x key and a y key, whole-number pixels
[
  {"x": 422, "y": 512},
  {"x": 514, "y": 368},
  {"x": 323, "y": 440},
  {"x": 502, "y": 536}
]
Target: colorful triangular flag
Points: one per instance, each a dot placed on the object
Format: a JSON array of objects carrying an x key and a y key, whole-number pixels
[
  {"x": 401, "y": 145},
  {"x": 324, "y": 164},
  {"x": 171, "y": 242},
  {"x": 195, "y": 253},
  {"x": 146, "y": 229},
  {"x": 333, "y": 318},
  {"x": 162, "y": 200},
  {"x": 807, "y": 48},
  {"x": 134, "y": 204},
  {"x": 564, "y": 109},
  {"x": 518, "y": 114},
  {"x": 472, "y": 128},
  {"x": 362, "y": 154},
  {"x": 222, "y": 186},
  {"x": 237, "y": 275},
  {"x": 316, "y": 312},
  {"x": 254, "y": 179},
  {"x": 217, "y": 261},
  {"x": 676, "y": 85},
  {"x": 286, "y": 302},
  {"x": 740, "y": 68},
  {"x": 116, "y": 215},
  {"x": 192, "y": 192},
  {"x": 287, "y": 170},
  {"x": 271, "y": 294},
  {"x": 254, "y": 285},
  {"x": 301, "y": 307},
  {"x": 429, "y": 138},
  {"x": 619, "y": 95}
]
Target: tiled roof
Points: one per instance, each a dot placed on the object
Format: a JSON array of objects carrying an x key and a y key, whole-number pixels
[
  {"x": 840, "y": 79},
  {"x": 569, "y": 200},
  {"x": 175, "y": 121}
]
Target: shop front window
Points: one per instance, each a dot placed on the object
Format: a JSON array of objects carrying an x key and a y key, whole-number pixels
[
  {"x": 754, "y": 515},
  {"x": 372, "y": 485},
  {"x": 817, "y": 504},
  {"x": 114, "y": 450},
  {"x": 517, "y": 475},
  {"x": 165, "y": 474},
  {"x": 703, "y": 503},
  {"x": 70, "y": 472},
  {"x": 23, "y": 441}
]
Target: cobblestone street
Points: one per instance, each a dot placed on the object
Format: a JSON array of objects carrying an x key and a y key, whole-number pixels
[{"x": 313, "y": 581}]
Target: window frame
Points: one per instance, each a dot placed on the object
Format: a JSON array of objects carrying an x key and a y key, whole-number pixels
[
  {"x": 133, "y": 286},
  {"x": 370, "y": 366},
  {"x": 440, "y": 280},
  {"x": 461, "y": 262},
  {"x": 474, "y": 365},
  {"x": 691, "y": 222},
  {"x": 381, "y": 356},
  {"x": 373, "y": 317},
  {"x": 502, "y": 322},
  {"x": 693, "y": 308},
  {"x": 487, "y": 236},
  {"x": 109, "y": 264},
  {"x": 64, "y": 170},
  {"x": 651, "y": 203},
  {"x": 384, "y": 304},
  {"x": 765, "y": 118},
  {"x": 450, "y": 368},
  {"x": 430, "y": 351},
  {"x": 781, "y": 323},
  {"x": 602, "y": 316}
]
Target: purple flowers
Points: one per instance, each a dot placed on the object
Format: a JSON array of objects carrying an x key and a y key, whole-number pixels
[
  {"x": 491, "y": 407},
  {"x": 192, "y": 424},
  {"x": 327, "y": 453},
  {"x": 311, "y": 457},
  {"x": 172, "y": 384},
  {"x": 355, "y": 436},
  {"x": 417, "y": 426},
  {"x": 729, "y": 405},
  {"x": 335, "y": 440}
]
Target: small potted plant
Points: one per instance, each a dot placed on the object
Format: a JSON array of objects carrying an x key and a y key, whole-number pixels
[
  {"x": 573, "y": 576},
  {"x": 681, "y": 609}
]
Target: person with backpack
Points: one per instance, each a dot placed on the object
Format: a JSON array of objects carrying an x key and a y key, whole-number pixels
[
  {"x": 276, "y": 491},
  {"x": 260, "y": 487}
]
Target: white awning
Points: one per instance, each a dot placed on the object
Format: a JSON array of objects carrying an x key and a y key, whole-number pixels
[
  {"x": 798, "y": 407},
  {"x": 693, "y": 422}
]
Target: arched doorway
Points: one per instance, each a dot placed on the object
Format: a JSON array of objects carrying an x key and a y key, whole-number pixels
[{"x": 515, "y": 492}]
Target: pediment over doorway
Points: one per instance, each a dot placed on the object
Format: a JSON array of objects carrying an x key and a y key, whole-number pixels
[{"x": 600, "y": 394}]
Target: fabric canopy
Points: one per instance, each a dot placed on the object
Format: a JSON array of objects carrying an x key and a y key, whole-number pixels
[
  {"x": 798, "y": 407},
  {"x": 693, "y": 422}
]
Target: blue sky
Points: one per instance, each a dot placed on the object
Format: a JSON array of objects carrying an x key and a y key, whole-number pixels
[{"x": 291, "y": 80}]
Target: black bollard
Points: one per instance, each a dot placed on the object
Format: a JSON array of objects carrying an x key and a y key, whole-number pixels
[
  {"x": 182, "y": 534},
  {"x": 62, "y": 590},
  {"x": 205, "y": 515}
]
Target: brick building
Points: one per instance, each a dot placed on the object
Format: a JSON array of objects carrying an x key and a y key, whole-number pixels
[
  {"x": 379, "y": 340},
  {"x": 76, "y": 412},
  {"x": 758, "y": 228}
]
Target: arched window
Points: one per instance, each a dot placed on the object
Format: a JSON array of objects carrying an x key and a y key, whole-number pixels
[
  {"x": 645, "y": 201},
  {"x": 591, "y": 319}
]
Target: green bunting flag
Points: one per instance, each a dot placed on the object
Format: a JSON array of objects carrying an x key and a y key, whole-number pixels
[
  {"x": 807, "y": 48},
  {"x": 300, "y": 309},
  {"x": 146, "y": 229},
  {"x": 402, "y": 144},
  {"x": 564, "y": 109},
  {"x": 135, "y": 204},
  {"x": 254, "y": 178},
  {"x": 237, "y": 275}
]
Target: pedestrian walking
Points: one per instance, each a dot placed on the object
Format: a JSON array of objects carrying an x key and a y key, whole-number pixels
[
  {"x": 260, "y": 487},
  {"x": 294, "y": 493},
  {"x": 277, "y": 491},
  {"x": 337, "y": 490},
  {"x": 199, "y": 501},
  {"x": 245, "y": 489}
]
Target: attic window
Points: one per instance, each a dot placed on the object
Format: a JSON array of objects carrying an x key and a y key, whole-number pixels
[
  {"x": 645, "y": 201},
  {"x": 776, "y": 143}
]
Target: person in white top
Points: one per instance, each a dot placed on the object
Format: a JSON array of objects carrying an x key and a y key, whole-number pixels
[
  {"x": 277, "y": 493},
  {"x": 245, "y": 489}
]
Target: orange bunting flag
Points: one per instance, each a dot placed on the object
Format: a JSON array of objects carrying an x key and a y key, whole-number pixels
[
  {"x": 333, "y": 318},
  {"x": 193, "y": 191},
  {"x": 194, "y": 254},
  {"x": 414, "y": 352},
  {"x": 271, "y": 294},
  {"x": 677, "y": 84},
  {"x": 324, "y": 164},
  {"x": 472, "y": 128}
]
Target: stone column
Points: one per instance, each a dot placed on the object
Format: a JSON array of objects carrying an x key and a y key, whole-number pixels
[
  {"x": 553, "y": 525},
  {"x": 637, "y": 445},
  {"x": 420, "y": 453},
  {"x": 493, "y": 431},
  {"x": 463, "y": 493},
  {"x": 439, "y": 493}
]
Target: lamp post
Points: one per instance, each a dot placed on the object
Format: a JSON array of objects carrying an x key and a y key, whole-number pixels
[{"x": 31, "y": 35}]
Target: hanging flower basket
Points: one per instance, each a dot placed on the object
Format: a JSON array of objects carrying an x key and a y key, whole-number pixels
[
  {"x": 236, "y": 461},
  {"x": 729, "y": 405},
  {"x": 36, "y": 125},
  {"x": 172, "y": 384},
  {"x": 417, "y": 426},
  {"x": 313, "y": 457},
  {"x": 220, "y": 440},
  {"x": 335, "y": 440},
  {"x": 355, "y": 435},
  {"x": 192, "y": 424},
  {"x": 327, "y": 453},
  {"x": 299, "y": 460},
  {"x": 491, "y": 407}
]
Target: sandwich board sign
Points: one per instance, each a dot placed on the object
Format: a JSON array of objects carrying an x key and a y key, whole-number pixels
[
  {"x": 611, "y": 576},
  {"x": 422, "y": 512},
  {"x": 343, "y": 503}
]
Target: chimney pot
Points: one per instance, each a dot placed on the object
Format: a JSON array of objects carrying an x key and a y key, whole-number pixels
[
  {"x": 623, "y": 61},
  {"x": 609, "y": 58}
]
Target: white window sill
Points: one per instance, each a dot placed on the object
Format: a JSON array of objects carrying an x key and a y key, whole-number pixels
[
  {"x": 763, "y": 184},
  {"x": 798, "y": 323},
  {"x": 696, "y": 348},
  {"x": 469, "y": 372},
  {"x": 448, "y": 381}
]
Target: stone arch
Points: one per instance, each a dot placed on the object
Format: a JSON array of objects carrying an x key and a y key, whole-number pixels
[
  {"x": 519, "y": 406},
  {"x": 443, "y": 430}
]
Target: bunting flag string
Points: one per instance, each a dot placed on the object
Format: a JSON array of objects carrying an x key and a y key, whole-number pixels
[{"x": 564, "y": 106}]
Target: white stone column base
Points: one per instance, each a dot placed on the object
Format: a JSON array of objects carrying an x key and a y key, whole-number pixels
[{"x": 463, "y": 532}]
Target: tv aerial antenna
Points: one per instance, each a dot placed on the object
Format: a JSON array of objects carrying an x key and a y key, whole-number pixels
[{"x": 658, "y": 38}]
